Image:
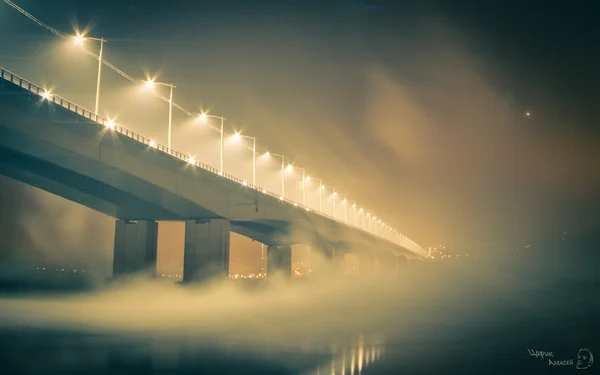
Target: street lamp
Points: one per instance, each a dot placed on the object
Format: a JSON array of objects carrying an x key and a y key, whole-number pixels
[
  {"x": 268, "y": 154},
  {"x": 204, "y": 117},
  {"x": 304, "y": 181},
  {"x": 237, "y": 136},
  {"x": 150, "y": 84},
  {"x": 79, "y": 39},
  {"x": 362, "y": 219},
  {"x": 334, "y": 196},
  {"x": 321, "y": 188},
  {"x": 345, "y": 203}
]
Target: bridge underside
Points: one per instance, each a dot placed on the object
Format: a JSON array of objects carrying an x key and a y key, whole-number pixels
[
  {"x": 54, "y": 149},
  {"x": 116, "y": 203}
]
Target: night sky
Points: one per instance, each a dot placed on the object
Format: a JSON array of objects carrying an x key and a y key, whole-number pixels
[{"x": 416, "y": 109}]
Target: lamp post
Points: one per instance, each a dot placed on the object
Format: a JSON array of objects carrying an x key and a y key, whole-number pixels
[
  {"x": 334, "y": 196},
  {"x": 304, "y": 180},
  {"x": 321, "y": 188},
  {"x": 203, "y": 117},
  {"x": 238, "y": 136},
  {"x": 345, "y": 203},
  {"x": 268, "y": 154},
  {"x": 362, "y": 218},
  {"x": 79, "y": 39},
  {"x": 150, "y": 84}
]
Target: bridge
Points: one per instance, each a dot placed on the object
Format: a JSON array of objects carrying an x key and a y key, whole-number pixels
[{"x": 53, "y": 144}]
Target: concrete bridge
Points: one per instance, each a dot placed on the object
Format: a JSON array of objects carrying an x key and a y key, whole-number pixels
[{"x": 57, "y": 146}]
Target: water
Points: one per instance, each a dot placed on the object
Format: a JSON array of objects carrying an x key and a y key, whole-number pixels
[{"x": 473, "y": 317}]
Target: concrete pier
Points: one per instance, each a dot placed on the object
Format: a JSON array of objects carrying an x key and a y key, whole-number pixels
[
  {"x": 279, "y": 260},
  {"x": 206, "y": 250},
  {"x": 135, "y": 247}
]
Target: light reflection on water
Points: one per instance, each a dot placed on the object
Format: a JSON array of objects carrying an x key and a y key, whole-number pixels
[
  {"x": 351, "y": 359},
  {"x": 60, "y": 351}
]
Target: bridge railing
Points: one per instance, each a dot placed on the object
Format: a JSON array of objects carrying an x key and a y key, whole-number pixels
[{"x": 19, "y": 81}]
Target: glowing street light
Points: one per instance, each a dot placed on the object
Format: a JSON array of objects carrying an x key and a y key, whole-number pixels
[
  {"x": 204, "y": 117},
  {"x": 79, "y": 39},
  {"x": 268, "y": 155},
  {"x": 47, "y": 95},
  {"x": 304, "y": 180},
  {"x": 345, "y": 203},
  {"x": 150, "y": 85},
  {"x": 237, "y": 137}
]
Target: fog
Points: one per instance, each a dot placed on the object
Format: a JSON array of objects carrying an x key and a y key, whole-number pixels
[
  {"x": 286, "y": 322},
  {"x": 426, "y": 128}
]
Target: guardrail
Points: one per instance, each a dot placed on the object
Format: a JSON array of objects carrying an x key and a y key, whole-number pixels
[{"x": 21, "y": 82}]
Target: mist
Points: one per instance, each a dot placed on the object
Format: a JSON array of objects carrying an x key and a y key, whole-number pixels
[{"x": 417, "y": 117}]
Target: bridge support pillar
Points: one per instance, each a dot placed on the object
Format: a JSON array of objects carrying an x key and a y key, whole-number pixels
[
  {"x": 401, "y": 263},
  {"x": 135, "y": 247},
  {"x": 366, "y": 263},
  {"x": 206, "y": 249},
  {"x": 279, "y": 259},
  {"x": 338, "y": 257}
]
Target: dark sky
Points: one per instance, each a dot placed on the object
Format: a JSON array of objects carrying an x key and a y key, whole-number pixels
[{"x": 417, "y": 109}]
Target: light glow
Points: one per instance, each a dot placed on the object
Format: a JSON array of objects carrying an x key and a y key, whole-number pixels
[
  {"x": 149, "y": 83},
  {"x": 191, "y": 160},
  {"x": 47, "y": 95},
  {"x": 78, "y": 39},
  {"x": 110, "y": 124},
  {"x": 153, "y": 144}
]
